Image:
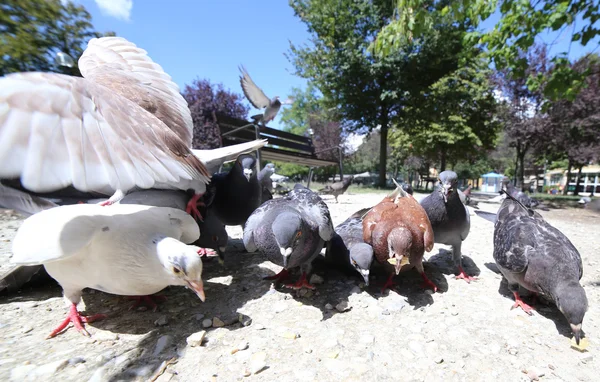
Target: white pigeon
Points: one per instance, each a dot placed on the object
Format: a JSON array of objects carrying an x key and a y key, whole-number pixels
[
  {"x": 126, "y": 249},
  {"x": 124, "y": 125}
]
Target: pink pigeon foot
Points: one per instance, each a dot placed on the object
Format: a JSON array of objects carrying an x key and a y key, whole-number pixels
[
  {"x": 78, "y": 320},
  {"x": 192, "y": 207},
  {"x": 389, "y": 284},
  {"x": 464, "y": 276},
  {"x": 428, "y": 283},
  {"x": 149, "y": 301},
  {"x": 302, "y": 283},
  {"x": 518, "y": 302},
  {"x": 284, "y": 274}
]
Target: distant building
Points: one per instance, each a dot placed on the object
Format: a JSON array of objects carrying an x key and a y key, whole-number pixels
[
  {"x": 557, "y": 179},
  {"x": 491, "y": 182}
]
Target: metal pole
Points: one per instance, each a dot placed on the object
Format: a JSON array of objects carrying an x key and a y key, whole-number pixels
[
  {"x": 257, "y": 133},
  {"x": 310, "y": 174},
  {"x": 341, "y": 153}
]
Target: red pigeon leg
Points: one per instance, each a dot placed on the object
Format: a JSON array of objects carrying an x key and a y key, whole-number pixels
[
  {"x": 302, "y": 283},
  {"x": 389, "y": 284},
  {"x": 78, "y": 320},
  {"x": 117, "y": 196},
  {"x": 464, "y": 276},
  {"x": 192, "y": 207},
  {"x": 518, "y": 302},
  {"x": 428, "y": 283},
  {"x": 149, "y": 301},
  {"x": 284, "y": 274}
]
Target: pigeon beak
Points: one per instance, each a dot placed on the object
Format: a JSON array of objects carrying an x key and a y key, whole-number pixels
[
  {"x": 248, "y": 173},
  {"x": 576, "y": 332},
  {"x": 285, "y": 252},
  {"x": 446, "y": 190},
  {"x": 365, "y": 275},
  {"x": 198, "y": 287}
]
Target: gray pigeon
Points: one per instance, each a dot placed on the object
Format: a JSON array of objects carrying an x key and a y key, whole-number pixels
[
  {"x": 259, "y": 100},
  {"x": 449, "y": 218},
  {"x": 533, "y": 254},
  {"x": 264, "y": 178},
  {"x": 348, "y": 249},
  {"x": 337, "y": 188},
  {"x": 290, "y": 231},
  {"x": 237, "y": 192},
  {"x": 519, "y": 195}
]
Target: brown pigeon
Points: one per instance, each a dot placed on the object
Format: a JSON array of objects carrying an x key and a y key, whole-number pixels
[{"x": 399, "y": 231}]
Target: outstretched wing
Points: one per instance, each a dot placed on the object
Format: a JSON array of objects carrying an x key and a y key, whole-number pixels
[{"x": 255, "y": 95}]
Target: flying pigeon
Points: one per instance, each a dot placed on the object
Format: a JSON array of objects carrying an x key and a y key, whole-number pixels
[
  {"x": 123, "y": 125},
  {"x": 348, "y": 248},
  {"x": 125, "y": 250},
  {"x": 399, "y": 231},
  {"x": 337, "y": 188},
  {"x": 449, "y": 218},
  {"x": 237, "y": 192},
  {"x": 533, "y": 254},
  {"x": 259, "y": 100},
  {"x": 290, "y": 231}
]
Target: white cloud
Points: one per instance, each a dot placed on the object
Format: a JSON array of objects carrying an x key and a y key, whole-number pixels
[{"x": 120, "y": 9}]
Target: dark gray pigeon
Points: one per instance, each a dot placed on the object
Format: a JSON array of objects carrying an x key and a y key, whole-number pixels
[
  {"x": 408, "y": 188},
  {"x": 348, "y": 249},
  {"x": 264, "y": 178},
  {"x": 337, "y": 188},
  {"x": 533, "y": 254},
  {"x": 449, "y": 218},
  {"x": 290, "y": 231},
  {"x": 519, "y": 195},
  {"x": 237, "y": 192},
  {"x": 259, "y": 100}
]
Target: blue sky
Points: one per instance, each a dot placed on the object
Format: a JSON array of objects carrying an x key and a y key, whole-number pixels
[{"x": 210, "y": 38}]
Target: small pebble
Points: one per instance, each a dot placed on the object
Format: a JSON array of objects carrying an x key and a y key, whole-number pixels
[
  {"x": 196, "y": 339},
  {"x": 385, "y": 312},
  {"x": 162, "y": 321},
  {"x": 26, "y": 329},
  {"x": 258, "y": 362},
  {"x": 217, "y": 322},
  {"x": 316, "y": 279},
  {"x": 342, "y": 306},
  {"x": 586, "y": 357},
  {"x": 199, "y": 317},
  {"x": 207, "y": 323},
  {"x": 76, "y": 360},
  {"x": 438, "y": 360},
  {"x": 328, "y": 306}
]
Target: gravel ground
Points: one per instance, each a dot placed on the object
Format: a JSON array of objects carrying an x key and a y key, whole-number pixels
[{"x": 341, "y": 332}]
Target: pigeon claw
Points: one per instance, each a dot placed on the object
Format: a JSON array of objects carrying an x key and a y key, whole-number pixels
[
  {"x": 519, "y": 303},
  {"x": 302, "y": 283},
  {"x": 78, "y": 320},
  {"x": 149, "y": 301},
  {"x": 192, "y": 207},
  {"x": 464, "y": 276},
  {"x": 284, "y": 274},
  {"x": 103, "y": 204},
  {"x": 428, "y": 283},
  {"x": 389, "y": 284}
]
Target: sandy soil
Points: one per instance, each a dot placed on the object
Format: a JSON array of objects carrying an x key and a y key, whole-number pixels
[{"x": 341, "y": 332}]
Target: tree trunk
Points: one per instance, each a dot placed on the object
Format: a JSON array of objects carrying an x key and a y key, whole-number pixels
[
  {"x": 443, "y": 159},
  {"x": 522, "y": 168},
  {"x": 516, "y": 168},
  {"x": 383, "y": 147},
  {"x": 576, "y": 192},
  {"x": 566, "y": 189}
]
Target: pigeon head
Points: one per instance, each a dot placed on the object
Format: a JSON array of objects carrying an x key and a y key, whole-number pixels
[
  {"x": 288, "y": 230},
  {"x": 361, "y": 257},
  {"x": 183, "y": 263},
  {"x": 572, "y": 302},
  {"x": 270, "y": 167},
  {"x": 246, "y": 163},
  {"x": 448, "y": 183},
  {"x": 399, "y": 243}
]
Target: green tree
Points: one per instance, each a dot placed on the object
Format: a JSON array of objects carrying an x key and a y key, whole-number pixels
[
  {"x": 520, "y": 23},
  {"x": 33, "y": 31},
  {"x": 295, "y": 119},
  {"x": 454, "y": 118},
  {"x": 365, "y": 90}
]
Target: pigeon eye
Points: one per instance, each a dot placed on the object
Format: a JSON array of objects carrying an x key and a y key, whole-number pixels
[
  {"x": 354, "y": 263},
  {"x": 176, "y": 270},
  {"x": 298, "y": 234}
]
